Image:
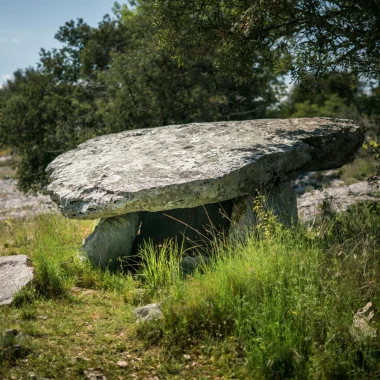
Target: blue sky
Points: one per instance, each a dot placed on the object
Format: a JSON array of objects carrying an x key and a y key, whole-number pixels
[{"x": 28, "y": 25}]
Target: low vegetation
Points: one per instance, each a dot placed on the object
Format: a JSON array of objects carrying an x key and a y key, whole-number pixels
[{"x": 299, "y": 303}]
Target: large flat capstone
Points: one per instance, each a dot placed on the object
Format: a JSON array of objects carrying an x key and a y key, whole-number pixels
[
  {"x": 15, "y": 273},
  {"x": 185, "y": 166}
]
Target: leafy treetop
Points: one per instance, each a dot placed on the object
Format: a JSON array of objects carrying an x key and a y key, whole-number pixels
[{"x": 314, "y": 37}]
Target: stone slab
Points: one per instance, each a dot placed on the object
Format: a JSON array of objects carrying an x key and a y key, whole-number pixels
[
  {"x": 15, "y": 273},
  {"x": 184, "y": 166}
]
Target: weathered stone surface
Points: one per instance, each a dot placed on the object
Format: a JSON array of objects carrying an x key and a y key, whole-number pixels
[
  {"x": 340, "y": 196},
  {"x": 190, "y": 263},
  {"x": 112, "y": 240},
  {"x": 116, "y": 237},
  {"x": 185, "y": 166},
  {"x": 15, "y": 273},
  {"x": 148, "y": 312}
]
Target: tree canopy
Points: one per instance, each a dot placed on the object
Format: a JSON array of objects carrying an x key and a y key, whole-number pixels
[
  {"x": 111, "y": 78},
  {"x": 314, "y": 37}
]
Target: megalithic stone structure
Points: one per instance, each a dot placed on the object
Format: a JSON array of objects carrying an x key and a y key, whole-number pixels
[{"x": 188, "y": 181}]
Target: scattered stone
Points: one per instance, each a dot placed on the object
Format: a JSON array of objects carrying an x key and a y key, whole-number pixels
[
  {"x": 361, "y": 328},
  {"x": 14, "y": 203},
  {"x": 11, "y": 333},
  {"x": 12, "y": 345},
  {"x": 15, "y": 273},
  {"x": 187, "y": 357},
  {"x": 83, "y": 291},
  {"x": 148, "y": 312},
  {"x": 122, "y": 364},
  {"x": 94, "y": 374},
  {"x": 341, "y": 196}
]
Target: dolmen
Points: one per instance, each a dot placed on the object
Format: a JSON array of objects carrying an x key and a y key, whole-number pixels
[{"x": 190, "y": 181}]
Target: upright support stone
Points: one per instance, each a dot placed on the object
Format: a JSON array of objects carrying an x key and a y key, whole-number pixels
[
  {"x": 112, "y": 240},
  {"x": 280, "y": 199}
]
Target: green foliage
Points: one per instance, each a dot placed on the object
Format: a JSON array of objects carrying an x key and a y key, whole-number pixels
[
  {"x": 25, "y": 296},
  {"x": 333, "y": 106},
  {"x": 287, "y": 303},
  {"x": 53, "y": 243},
  {"x": 291, "y": 300},
  {"x": 373, "y": 149},
  {"x": 160, "y": 268},
  {"x": 111, "y": 78},
  {"x": 43, "y": 118},
  {"x": 342, "y": 96},
  {"x": 308, "y": 37}
]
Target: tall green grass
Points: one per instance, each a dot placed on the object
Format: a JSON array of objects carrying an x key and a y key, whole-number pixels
[
  {"x": 53, "y": 243},
  {"x": 289, "y": 297},
  {"x": 282, "y": 303}
]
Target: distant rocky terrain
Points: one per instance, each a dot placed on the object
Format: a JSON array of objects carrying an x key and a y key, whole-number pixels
[
  {"x": 313, "y": 188},
  {"x": 15, "y": 204}
]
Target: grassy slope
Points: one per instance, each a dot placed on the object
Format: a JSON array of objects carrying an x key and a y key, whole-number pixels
[{"x": 279, "y": 305}]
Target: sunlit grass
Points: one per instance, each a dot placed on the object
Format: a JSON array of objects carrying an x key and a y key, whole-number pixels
[{"x": 279, "y": 304}]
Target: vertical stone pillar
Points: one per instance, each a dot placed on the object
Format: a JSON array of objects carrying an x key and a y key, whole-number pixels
[
  {"x": 280, "y": 198},
  {"x": 112, "y": 240}
]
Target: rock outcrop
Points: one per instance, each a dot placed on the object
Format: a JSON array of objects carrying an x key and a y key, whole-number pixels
[
  {"x": 15, "y": 273},
  {"x": 340, "y": 196},
  {"x": 200, "y": 176}
]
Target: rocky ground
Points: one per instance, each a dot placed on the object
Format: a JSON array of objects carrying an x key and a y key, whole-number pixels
[
  {"x": 312, "y": 189},
  {"x": 13, "y": 203},
  {"x": 315, "y": 189}
]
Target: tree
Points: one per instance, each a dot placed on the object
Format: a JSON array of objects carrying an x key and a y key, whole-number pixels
[
  {"x": 314, "y": 37},
  {"x": 111, "y": 78},
  {"x": 42, "y": 118},
  {"x": 146, "y": 88}
]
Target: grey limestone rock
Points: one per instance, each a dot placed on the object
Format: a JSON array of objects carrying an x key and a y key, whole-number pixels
[
  {"x": 112, "y": 239},
  {"x": 184, "y": 166},
  {"x": 15, "y": 273},
  {"x": 148, "y": 312},
  {"x": 280, "y": 198},
  {"x": 189, "y": 264}
]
